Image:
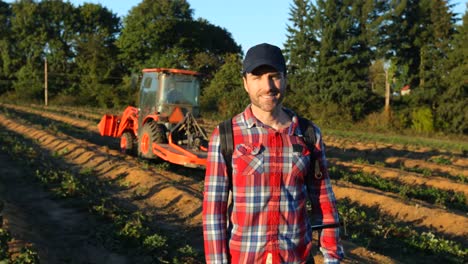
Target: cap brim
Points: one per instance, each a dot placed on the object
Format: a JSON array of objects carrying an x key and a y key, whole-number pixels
[{"x": 259, "y": 63}]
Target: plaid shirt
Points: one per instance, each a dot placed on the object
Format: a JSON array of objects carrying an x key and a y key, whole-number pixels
[{"x": 269, "y": 221}]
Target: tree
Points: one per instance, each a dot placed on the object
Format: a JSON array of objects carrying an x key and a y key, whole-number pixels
[
  {"x": 5, "y": 46},
  {"x": 403, "y": 30},
  {"x": 302, "y": 43},
  {"x": 345, "y": 53},
  {"x": 28, "y": 42},
  {"x": 225, "y": 94},
  {"x": 57, "y": 22},
  {"x": 150, "y": 31},
  {"x": 206, "y": 45},
  {"x": 162, "y": 33},
  {"x": 96, "y": 55},
  {"x": 452, "y": 111},
  {"x": 300, "y": 51},
  {"x": 434, "y": 49},
  {"x": 377, "y": 77}
]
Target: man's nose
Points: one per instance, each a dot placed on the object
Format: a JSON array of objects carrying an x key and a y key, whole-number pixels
[{"x": 269, "y": 83}]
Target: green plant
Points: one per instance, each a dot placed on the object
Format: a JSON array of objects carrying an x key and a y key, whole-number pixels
[
  {"x": 380, "y": 164},
  {"x": 87, "y": 171},
  {"x": 26, "y": 256},
  {"x": 155, "y": 242},
  {"x": 70, "y": 186},
  {"x": 4, "y": 238},
  {"x": 164, "y": 166},
  {"x": 361, "y": 160},
  {"x": 441, "y": 160}
]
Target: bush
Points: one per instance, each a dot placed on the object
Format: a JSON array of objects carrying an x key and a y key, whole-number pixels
[{"x": 422, "y": 120}]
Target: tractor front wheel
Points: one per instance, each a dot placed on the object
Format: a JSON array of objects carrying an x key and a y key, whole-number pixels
[
  {"x": 151, "y": 133},
  {"x": 128, "y": 143}
]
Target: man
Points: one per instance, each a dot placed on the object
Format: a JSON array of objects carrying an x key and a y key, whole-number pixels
[{"x": 270, "y": 167}]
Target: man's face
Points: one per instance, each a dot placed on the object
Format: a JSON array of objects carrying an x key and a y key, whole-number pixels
[{"x": 266, "y": 88}]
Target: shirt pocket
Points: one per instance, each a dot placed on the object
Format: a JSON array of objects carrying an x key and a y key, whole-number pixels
[
  {"x": 300, "y": 163},
  {"x": 248, "y": 162}
]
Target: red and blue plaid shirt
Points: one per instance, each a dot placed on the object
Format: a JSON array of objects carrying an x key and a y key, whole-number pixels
[{"x": 269, "y": 221}]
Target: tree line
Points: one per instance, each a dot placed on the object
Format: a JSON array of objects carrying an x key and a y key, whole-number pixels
[
  {"x": 340, "y": 51},
  {"x": 341, "y": 54},
  {"x": 92, "y": 53}
]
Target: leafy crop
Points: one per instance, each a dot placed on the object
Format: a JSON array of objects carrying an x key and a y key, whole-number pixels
[
  {"x": 441, "y": 160},
  {"x": 448, "y": 198},
  {"x": 4, "y": 238},
  {"x": 370, "y": 227}
]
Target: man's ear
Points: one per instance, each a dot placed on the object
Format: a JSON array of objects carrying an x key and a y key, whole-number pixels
[{"x": 245, "y": 83}]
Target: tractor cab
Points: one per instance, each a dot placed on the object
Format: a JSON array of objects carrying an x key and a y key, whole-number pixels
[{"x": 164, "y": 91}]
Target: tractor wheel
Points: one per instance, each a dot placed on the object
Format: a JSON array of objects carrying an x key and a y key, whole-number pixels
[
  {"x": 128, "y": 143},
  {"x": 151, "y": 133},
  {"x": 160, "y": 135}
]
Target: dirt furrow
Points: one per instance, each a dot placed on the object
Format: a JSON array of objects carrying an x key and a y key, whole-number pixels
[
  {"x": 181, "y": 205},
  {"x": 419, "y": 214},
  {"x": 377, "y": 151},
  {"x": 59, "y": 233},
  {"x": 452, "y": 170},
  {"x": 405, "y": 177},
  {"x": 88, "y": 125}
]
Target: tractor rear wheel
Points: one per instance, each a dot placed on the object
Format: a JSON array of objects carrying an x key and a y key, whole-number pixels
[
  {"x": 128, "y": 143},
  {"x": 151, "y": 133}
]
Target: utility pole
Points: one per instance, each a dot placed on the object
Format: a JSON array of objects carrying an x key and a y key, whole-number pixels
[
  {"x": 45, "y": 81},
  {"x": 387, "y": 93}
]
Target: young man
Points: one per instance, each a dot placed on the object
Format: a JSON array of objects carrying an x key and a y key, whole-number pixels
[{"x": 271, "y": 178}]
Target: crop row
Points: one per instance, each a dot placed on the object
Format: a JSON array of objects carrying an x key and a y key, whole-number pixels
[
  {"x": 454, "y": 173},
  {"x": 124, "y": 230},
  {"x": 446, "y": 198},
  {"x": 373, "y": 229},
  {"x": 458, "y": 145},
  {"x": 26, "y": 255}
]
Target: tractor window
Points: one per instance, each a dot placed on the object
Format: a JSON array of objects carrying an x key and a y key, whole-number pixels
[
  {"x": 182, "y": 90},
  {"x": 147, "y": 83},
  {"x": 148, "y": 93}
]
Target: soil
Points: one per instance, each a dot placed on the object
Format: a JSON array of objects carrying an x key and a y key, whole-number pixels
[
  {"x": 172, "y": 196},
  {"x": 58, "y": 232}
]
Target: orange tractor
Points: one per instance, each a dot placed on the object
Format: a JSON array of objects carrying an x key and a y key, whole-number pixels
[{"x": 164, "y": 125}]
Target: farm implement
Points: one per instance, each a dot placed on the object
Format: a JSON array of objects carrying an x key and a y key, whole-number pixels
[{"x": 164, "y": 125}]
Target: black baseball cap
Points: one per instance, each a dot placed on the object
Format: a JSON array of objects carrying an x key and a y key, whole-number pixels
[{"x": 264, "y": 54}]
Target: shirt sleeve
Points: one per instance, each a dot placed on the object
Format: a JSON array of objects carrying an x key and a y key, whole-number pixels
[
  {"x": 215, "y": 198},
  {"x": 324, "y": 209}
]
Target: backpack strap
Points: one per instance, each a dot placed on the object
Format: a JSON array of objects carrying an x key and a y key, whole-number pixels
[
  {"x": 308, "y": 132},
  {"x": 226, "y": 139},
  {"x": 227, "y": 145}
]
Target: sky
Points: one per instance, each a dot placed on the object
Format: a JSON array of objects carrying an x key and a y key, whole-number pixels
[{"x": 250, "y": 22}]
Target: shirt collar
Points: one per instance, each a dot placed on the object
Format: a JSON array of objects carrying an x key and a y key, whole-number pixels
[{"x": 251, "y": 121}]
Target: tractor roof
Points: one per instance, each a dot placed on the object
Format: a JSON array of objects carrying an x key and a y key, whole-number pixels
[{"x": 168, "y": 70}]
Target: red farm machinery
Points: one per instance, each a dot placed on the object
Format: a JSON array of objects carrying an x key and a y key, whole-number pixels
[{"x": 164, "y": 125}]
